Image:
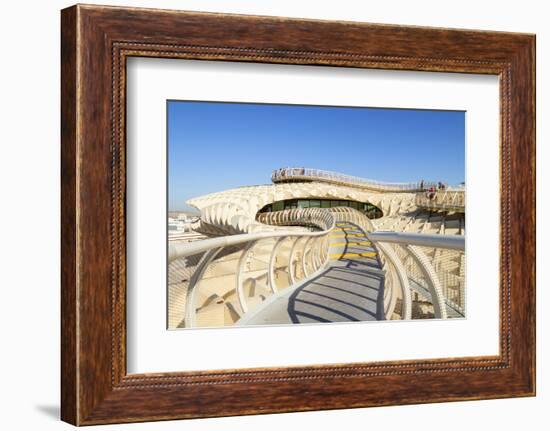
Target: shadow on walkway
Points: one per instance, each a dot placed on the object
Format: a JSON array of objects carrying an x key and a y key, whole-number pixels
[{"x": 340, "y": 295}]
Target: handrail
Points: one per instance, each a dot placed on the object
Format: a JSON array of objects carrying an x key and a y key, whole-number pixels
[
  {"x": 308, "y": 253},
  {"x": 177, "y": 251},
  {"x": 453, "y": 242},
  {"x": 285, "y": 174},
  {"x": 212, "y": 247},
  {"x": 410, "y": 243}
]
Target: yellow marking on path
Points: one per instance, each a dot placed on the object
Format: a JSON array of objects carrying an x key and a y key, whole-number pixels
[
  {"x": 348, "y": 255},
  {"x": 342, "y": 235},
  {"x": 351, "y": 243}
]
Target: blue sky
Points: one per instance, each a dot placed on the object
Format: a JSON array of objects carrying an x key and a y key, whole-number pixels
[{"x": 215, "y": 146}]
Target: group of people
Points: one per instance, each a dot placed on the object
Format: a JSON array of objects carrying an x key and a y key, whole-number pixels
[
  {"x": 430, "y": 192},
  {"x": 288, "y": 171}
]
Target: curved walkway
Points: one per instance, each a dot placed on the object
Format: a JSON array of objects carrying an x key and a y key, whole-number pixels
[
  {"x": 449, "y": 200},
  {"x": 350, "y": 289},
  {"x": 308, "y": 174}
]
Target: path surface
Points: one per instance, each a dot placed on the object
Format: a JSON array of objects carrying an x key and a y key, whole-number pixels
[{"x": 350, "y": 289}]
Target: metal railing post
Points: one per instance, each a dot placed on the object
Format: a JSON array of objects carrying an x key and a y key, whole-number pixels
[
  {"x": 438, "y": 300},
  {"x": 239, "y": 277},
  {"x": 190, "y": 307},
  {"x": 271, "y": 269},
  {"x": 291, "y": 275},
  {"x": 318, "y": 250},
  {"x": 304, "y": 269},
  {"x": 406, "y": 308}
]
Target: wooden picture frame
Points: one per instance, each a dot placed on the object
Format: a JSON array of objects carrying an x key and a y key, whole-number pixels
[{"x": 95, "y": 43}]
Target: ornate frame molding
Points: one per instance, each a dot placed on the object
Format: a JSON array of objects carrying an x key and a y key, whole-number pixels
[{"x": 96, "y": 41}]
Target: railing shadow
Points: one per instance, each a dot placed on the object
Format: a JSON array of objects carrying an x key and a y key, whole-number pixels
[{"x": 331, "y": 297}]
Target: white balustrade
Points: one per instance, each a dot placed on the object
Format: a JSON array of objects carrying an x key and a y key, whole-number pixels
[
  {"x": 319, "y": 221},
  {"x": 426, "y": 264},
  {"x": 293, "y": 174},
  {"x": 448, "y": 200}
]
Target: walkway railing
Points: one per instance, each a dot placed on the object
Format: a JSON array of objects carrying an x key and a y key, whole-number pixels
[
  {"x": 308, "y": 174},
  {"x": 428, "y": 267},
  {"x": 434, "y": 265},
  {"x": 238, "y": 272},
  {"x": 254, "y": 262},
  {"x": 448, "y": 200}
]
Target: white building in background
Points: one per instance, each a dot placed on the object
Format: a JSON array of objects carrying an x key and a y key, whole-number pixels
[
  {"x": 318, "y": 246},
  {"x": 180, "y": 227}
]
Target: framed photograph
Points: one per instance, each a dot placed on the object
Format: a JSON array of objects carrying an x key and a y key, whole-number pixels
[{"x": 322, "y": 214}]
